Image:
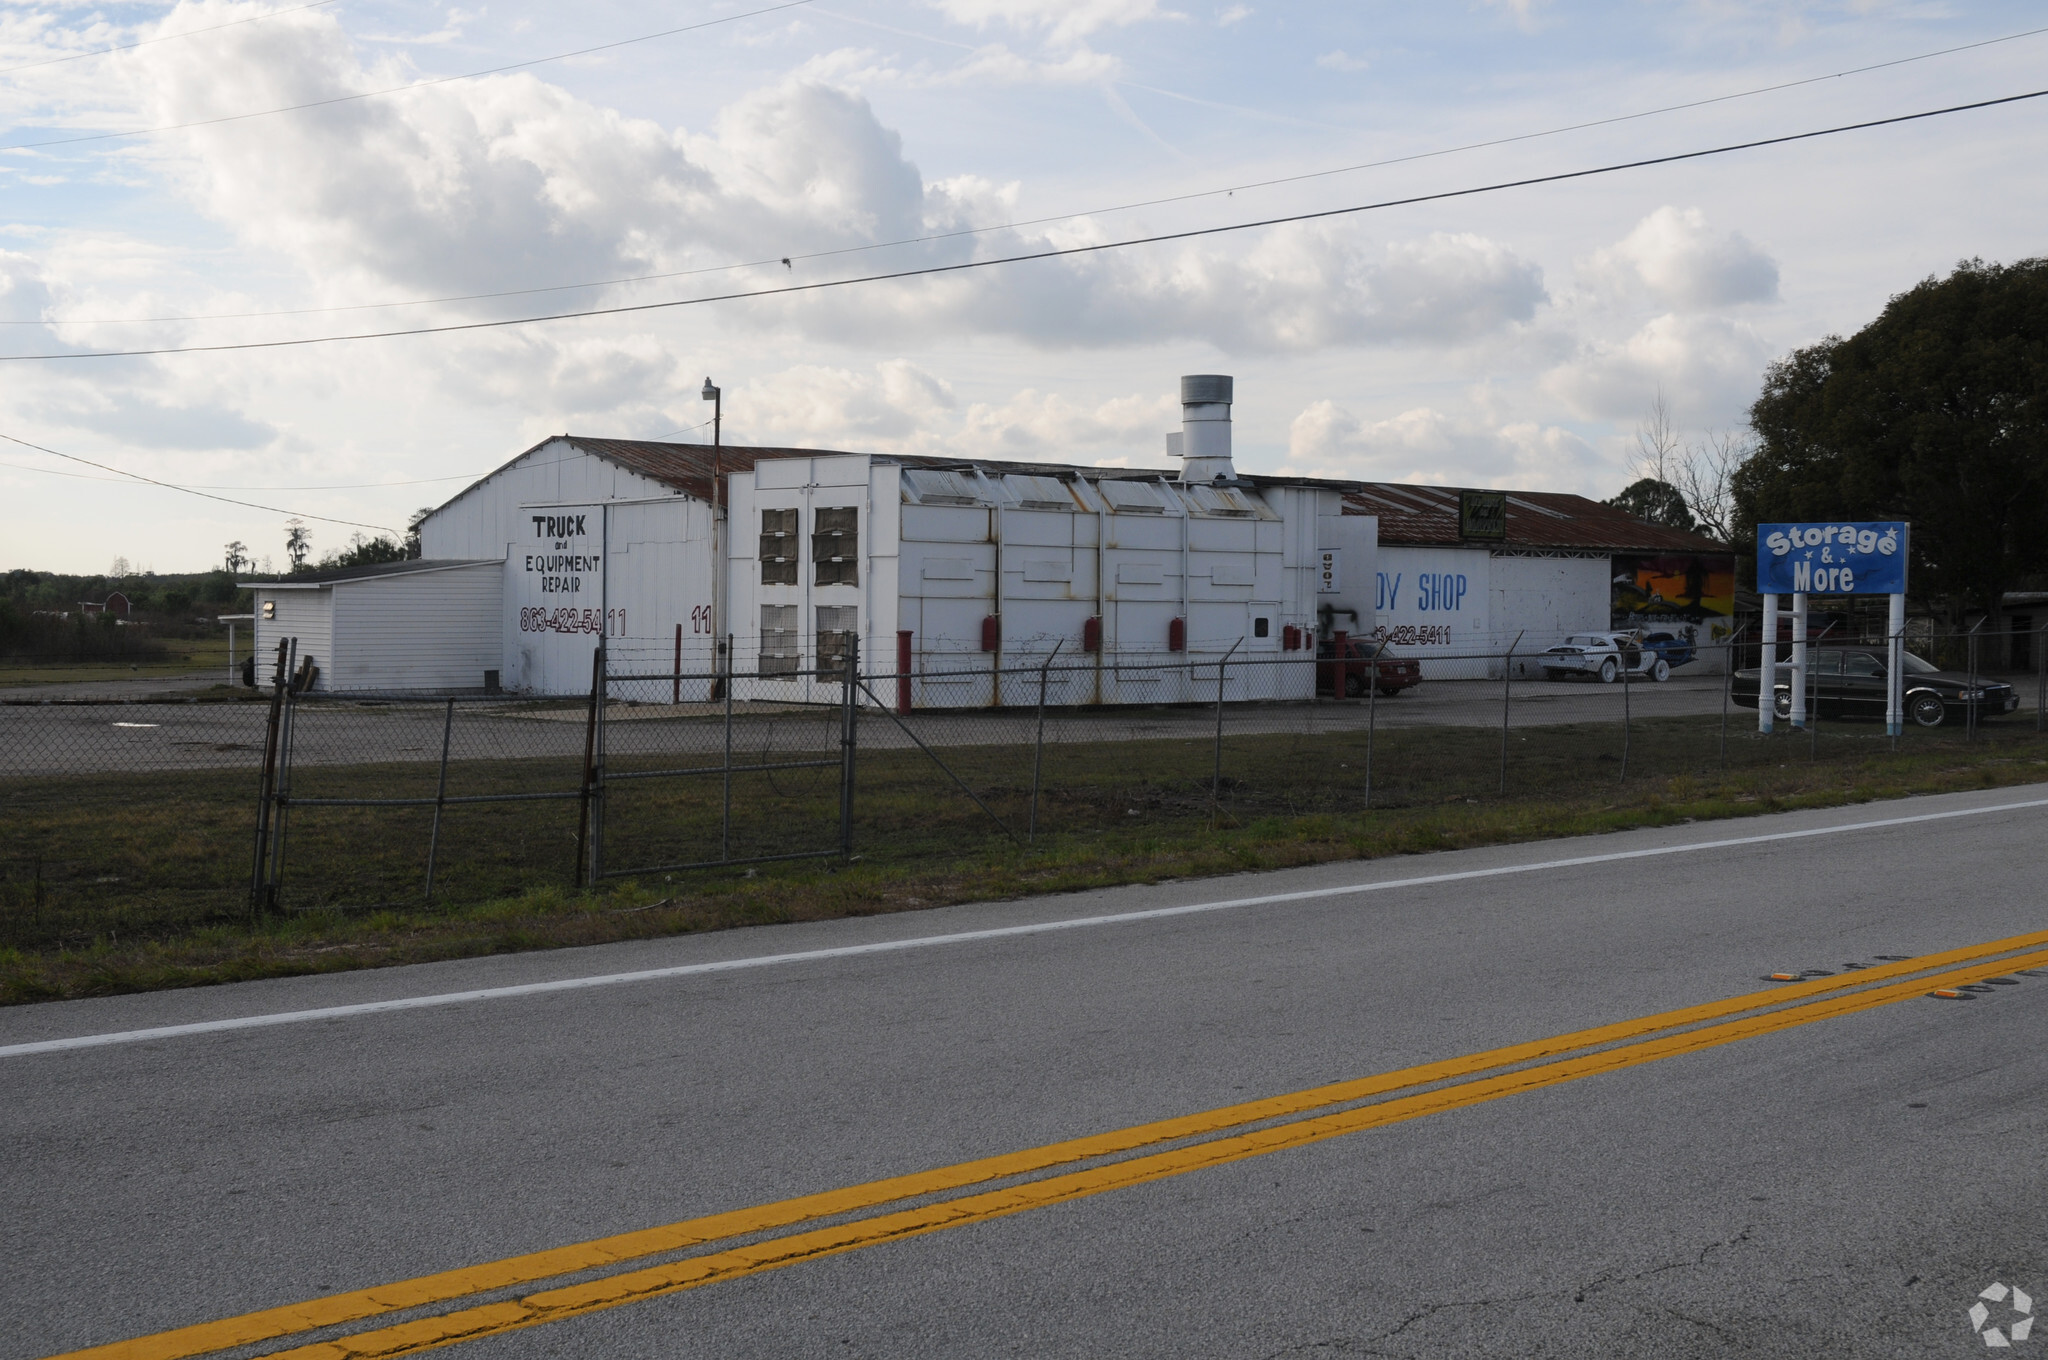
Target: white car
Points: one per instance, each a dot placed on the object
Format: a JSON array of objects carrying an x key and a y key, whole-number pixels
[{"x": 1603, "y": 655}]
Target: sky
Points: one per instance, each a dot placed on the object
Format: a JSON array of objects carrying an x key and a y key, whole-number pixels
[{"x": 1512, "y": 338}]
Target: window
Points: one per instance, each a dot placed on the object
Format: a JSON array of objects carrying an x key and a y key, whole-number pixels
[
  {"x": 1861, "y": 664},
  {"x": 778, "y": 548},
  {"x": 835, "y": 546},
  {"x": 836, "y": 627},
  {"x": 1262, "y": 628},
  {"x": 781, "y": 648}
]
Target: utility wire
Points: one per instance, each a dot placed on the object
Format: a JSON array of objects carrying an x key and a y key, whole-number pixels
[
  {"x": 207, "y": 495},
  {"x": 1049, "y": 254},
  {"x": 1224, "y": 190},
  {"x": 160, "y": 38},
  {"x": 400, "y": 89}
]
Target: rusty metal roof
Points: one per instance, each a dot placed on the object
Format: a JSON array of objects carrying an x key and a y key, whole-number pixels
[
  {"x": 1410, "y": 514},
  {"x": 1413, "y": 515}
]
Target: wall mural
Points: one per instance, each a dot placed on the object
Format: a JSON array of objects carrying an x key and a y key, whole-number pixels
[{"x": 1691, "y": 594}]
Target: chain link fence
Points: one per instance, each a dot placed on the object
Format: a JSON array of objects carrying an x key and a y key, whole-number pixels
[{"x": 154, "y": 818}]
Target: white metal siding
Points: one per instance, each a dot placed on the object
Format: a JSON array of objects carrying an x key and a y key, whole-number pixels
[
  {"x": 483, "y": 521},
  {"x": 1547, "y": 598},
  {"x": 428, "y": 630},
  {"x": 1436, "y": 604},
  {"x": 302, "y": 613}
]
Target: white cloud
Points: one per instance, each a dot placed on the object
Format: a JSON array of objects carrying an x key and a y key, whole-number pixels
[
  {"x": 997, "y": 64},
  {"x": 901, "y": 407},
  {"x": 1233, "y": 14},
  {"x": 1432, "y": 446},
  {"x": 1523, "y": 12},
  {"x": 1685, "y": 264},
  {"x": 1060, "y": 20},
  {"x": 1708, "y": 367},
  {"x": 1340, "y": 60},
  {"x": 507, "y": 181}
]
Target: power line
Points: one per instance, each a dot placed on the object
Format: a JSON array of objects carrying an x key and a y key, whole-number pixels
[
  {"x": 206, "y": 495},
  {"x": 1224, "y": 190},
  {"x": 219, "y": 486},
  {"x": 161, "y": 37},
  {"x": 1049, "y": 254},
  {"x": 400, "y": 89}
]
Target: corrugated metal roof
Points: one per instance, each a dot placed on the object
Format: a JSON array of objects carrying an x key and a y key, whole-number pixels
[
  {"x": 1409, "y": 513},
  {"x": 1427, "y": 516},
  {"x": 362, "y": 571}
]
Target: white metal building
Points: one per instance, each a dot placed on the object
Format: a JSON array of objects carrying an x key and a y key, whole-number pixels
[
  {"x": 421, "y": 625},
  {"x": 1549, "y": 568},
  {"x": 951, "y": 569}
]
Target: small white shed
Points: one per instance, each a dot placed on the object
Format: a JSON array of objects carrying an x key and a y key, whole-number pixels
[{"x": 417, "y": 625}]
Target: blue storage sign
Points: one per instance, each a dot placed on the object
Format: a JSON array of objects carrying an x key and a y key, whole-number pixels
[{"x": 1839, "y": 558}]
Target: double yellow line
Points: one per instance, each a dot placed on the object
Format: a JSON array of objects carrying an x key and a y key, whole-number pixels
[{"x": 1201, "y": 1140}]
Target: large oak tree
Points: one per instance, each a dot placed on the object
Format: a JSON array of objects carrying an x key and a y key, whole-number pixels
[{"x": 1937, "y": 413}]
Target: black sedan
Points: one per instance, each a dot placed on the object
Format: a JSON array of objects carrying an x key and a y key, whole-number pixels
[{"x": 1849, "y": 682}]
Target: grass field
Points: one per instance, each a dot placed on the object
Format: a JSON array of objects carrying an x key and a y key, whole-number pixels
[
  {"x": 185, "y": 656},
  {"x": 117, "y": 883}
]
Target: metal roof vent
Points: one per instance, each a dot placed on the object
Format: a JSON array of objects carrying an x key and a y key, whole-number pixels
[{"x": 1205, "y": 400}]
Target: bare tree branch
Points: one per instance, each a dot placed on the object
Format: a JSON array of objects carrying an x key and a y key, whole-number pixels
[
  {"x": 1657, "y": 445},
  {"x": 1704, "y": 475}
]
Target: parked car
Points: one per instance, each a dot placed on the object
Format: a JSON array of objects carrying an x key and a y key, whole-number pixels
[
  {"x": 1366, "y": 661},
  {"x": 1676, "y": 649},
  {"x": 1604, "y": 656},
  {"x": 1849, "y": 682}
]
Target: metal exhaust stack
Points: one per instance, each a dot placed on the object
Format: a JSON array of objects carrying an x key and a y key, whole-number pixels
[{"x": 1205, "y": 429}]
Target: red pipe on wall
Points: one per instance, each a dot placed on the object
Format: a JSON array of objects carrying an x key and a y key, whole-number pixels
[
  {"x": 903, "y": 670},
  {"x": 1177, "y": 635}
]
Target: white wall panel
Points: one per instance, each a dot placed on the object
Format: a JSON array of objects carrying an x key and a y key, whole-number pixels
[
  {"x": 430, "y": 630},
  {"x": 303, "y": 613}
]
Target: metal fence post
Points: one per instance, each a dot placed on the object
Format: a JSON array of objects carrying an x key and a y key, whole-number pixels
[
  {"x": 1728, "y": 686},
  {"x": 848, "y": 734},
  {"x": 1372, "y": 692},
  {"x": 1626, "y": 720},
  {"x": 725, "y": 775},
  {"x": 1507, "y": 673},
  {"x": 583, "y": 860},
  {"x": 287, "y": 730},
  {"x": 1813, "y": 656},
  {"x": 440, "y": 797},
  {"x": 597, "y": 788},
  {"x": 1038, "y": 747},
  {"x": 266, "y": 785},
  {"x": 1970, "y": 705},
  {"x": 1216, "y": 779}
]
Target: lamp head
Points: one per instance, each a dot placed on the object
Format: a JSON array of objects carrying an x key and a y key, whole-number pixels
[{"x": 710, "y": 392}]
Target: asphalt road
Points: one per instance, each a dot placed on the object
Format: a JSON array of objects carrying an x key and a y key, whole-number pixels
[
  {"x": 1845, "y": 1187},
  {"x": 44, "y": 739}
]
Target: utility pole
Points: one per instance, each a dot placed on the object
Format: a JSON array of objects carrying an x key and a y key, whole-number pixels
[{"x": 716, "y": 396}]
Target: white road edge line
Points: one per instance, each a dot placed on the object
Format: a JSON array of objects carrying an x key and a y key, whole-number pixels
[{"x": 136, "y": 1036}]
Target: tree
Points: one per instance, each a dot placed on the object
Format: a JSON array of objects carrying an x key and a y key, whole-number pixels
[
  {"x": 1694, "y": 477},
  {"x": 1937, "y": 413},
  {"x": 238, "y": 554},
  {"x": 1705, "y": 479},
  {"x": 297, "y": 543},
  {"x": 119, "y": 571},
  {"x": 362, "y": 552},
  {"x": 1654, "y": 502},
  {"x": 412, "y": 530}
]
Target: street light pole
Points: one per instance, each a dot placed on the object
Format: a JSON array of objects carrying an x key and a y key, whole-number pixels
[{"x": 715, "y": 396}]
